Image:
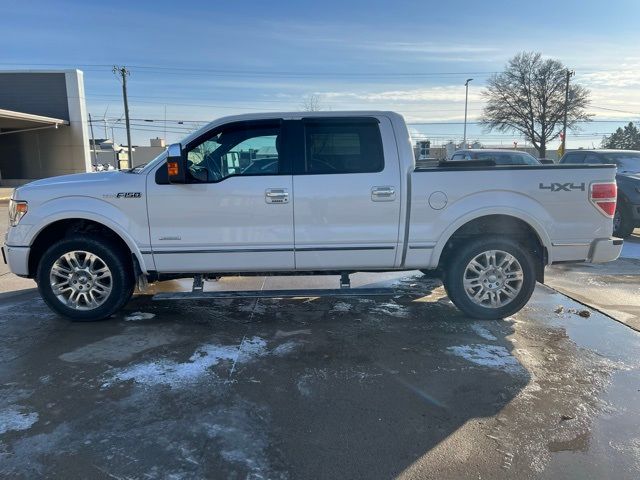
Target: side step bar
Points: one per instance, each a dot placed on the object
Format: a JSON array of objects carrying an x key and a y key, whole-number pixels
[{"x": 304, "y": 293}]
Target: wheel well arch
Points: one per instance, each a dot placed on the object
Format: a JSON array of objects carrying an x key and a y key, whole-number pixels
[
  {"x": 499, "y": 224},
  {"x": 70, "y": 226}
]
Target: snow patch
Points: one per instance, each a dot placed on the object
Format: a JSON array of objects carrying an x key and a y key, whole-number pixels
[
  {"x": 137, "y": 316},
  {"x": 492, "y": 356},
  {"x": 286, "y": 348},
  {"x": 483, "y": 332},
  {"x": 390, "y": 308},
  {"x": 12, "y": 419},
  {"x": 175, "y": 374},
  {"x": 341, "y": 307}
]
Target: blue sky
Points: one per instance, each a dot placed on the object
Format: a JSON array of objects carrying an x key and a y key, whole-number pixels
[{"x": 203, "y": 59}]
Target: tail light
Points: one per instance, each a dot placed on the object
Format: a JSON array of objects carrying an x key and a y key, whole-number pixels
[{"x": 604, "y": 196}]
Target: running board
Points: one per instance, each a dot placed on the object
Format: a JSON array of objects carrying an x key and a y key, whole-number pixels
[{"x": 304, "y": 293}]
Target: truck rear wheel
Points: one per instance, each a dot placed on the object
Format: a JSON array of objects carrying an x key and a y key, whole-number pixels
[
  {"x": 490, "y": 277},
  {"x": 622, "y": 221},
  {"x": 85, "y": 278}
]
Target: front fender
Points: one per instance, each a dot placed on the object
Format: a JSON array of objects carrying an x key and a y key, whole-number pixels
[{"x": 131, "y": 227}]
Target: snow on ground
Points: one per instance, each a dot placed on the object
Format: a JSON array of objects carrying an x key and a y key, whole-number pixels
[
  {"x": 631, "y": 249},
  {"x": 483, "y": 332},
  {"x": 12, "y": 419},
  {"x": 175, "y": 374},
  {"x": 137, "y": 316},
  {"x": 491, "y": 356}
]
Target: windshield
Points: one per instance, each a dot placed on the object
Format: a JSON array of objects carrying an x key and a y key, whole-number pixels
[{"x": 626, "y": 162}]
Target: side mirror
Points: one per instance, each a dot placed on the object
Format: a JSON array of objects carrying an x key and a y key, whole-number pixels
[{"x": 176, "y": 164}]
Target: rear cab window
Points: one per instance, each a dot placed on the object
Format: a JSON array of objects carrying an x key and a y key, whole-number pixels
[{"x": 334, "y": 146}]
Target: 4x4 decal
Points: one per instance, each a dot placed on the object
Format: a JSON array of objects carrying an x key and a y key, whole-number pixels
[{"x": 562, "y": 187}]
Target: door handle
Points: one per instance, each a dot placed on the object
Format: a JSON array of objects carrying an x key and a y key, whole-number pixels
[
  {"x": 276, "y": 195},
  {"x": 383, "y": 194}
]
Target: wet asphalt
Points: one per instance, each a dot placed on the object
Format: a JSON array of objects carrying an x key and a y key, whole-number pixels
[{"x": 400, "y": 386}]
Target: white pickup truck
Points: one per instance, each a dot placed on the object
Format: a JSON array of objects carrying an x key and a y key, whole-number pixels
[{"x": 322, "y": 192}]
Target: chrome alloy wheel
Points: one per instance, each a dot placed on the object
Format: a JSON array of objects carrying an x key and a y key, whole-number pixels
[
  {"x": 81, "y": 280},
  {"x": 493, "y": 278}
]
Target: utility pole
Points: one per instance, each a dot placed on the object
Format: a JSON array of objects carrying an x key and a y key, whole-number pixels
[
  {"x": 123, "y": 72},
  {"x": 566, "y": 108},
  {"x": 93, "y": 140},
  {"x": 466, "y": 98}
]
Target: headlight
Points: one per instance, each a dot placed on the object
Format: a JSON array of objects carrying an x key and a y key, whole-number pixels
[{"x": 17, "y": 210}]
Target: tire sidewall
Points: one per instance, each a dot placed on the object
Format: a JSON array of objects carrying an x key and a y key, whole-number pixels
[
  {"x": 122, "y": 277},
  {"x": 626, "y": 225},
  {"x": 455, "y": 274}
]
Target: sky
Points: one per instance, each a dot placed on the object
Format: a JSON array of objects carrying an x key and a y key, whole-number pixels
[{"x": 194, "y": 61}]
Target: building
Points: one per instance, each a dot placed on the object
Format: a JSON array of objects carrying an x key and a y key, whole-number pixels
[
  {"x": 43, "y": 125},
  {"x": 108, "y": 154}
]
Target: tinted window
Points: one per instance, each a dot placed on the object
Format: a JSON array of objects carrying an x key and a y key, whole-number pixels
[
  {"x": 343, "y": 147},
  {"x": 592, "y": 158},
  {"x": 626, "y": 161},
  {"x": 507, "y": 158},
  {"x": 577, "y": 157},
  {"x": 243, "y": 149}
]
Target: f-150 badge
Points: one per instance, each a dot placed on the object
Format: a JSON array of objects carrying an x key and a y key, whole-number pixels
[
  {"x": 128, "y": 195},
  {"x": 562, "y": 187}
]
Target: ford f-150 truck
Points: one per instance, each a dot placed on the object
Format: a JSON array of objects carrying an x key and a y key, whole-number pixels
[{"x": 322, "y": 192}]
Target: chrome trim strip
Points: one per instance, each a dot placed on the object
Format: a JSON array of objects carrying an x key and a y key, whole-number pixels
[
  {"x": 265, "y": 250},
  {"x": 229, "y": 250},
  {"x": 329, "y": 249},
  {"x": 570, "y": 244}
]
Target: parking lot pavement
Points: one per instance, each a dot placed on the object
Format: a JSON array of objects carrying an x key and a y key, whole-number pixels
[
  {"x": 319, "y": 388},
  {"x": 612, "y": 288}
]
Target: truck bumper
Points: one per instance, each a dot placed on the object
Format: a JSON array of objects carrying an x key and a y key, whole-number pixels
[
  {"x": 17, "y": 258},
  {"x": 605, "y": 250}
]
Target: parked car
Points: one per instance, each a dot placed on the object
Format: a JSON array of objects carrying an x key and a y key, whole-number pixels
[
  {"x": 360, "y": 205},
  {"x": 627, "y": 215},
  {"x": 500, "y": 157}
]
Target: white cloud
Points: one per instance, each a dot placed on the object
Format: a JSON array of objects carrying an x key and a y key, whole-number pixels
[{"x": 435, "y": 94}]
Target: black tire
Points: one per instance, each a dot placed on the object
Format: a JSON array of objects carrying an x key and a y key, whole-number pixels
[
  {"x": 122, "y": 279},
  {"x": 432, "y": 273},
  {"x": 459, "y": 260},
  {"x": 622, "y": 222}
]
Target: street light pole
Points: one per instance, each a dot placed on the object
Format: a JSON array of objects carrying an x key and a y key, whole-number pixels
[
  {"x": 566, "y": 109},
  {"x": 466, "y": 99}
]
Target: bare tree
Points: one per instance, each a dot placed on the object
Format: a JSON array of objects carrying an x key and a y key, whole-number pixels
[
  {"x": 529, "y": 97},
  {"x": 311, "y": 103}
]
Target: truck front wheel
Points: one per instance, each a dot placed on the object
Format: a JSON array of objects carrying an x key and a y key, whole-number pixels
[
  {"x": 85, "y": 278},
  {"x": 490, "y": 277}
]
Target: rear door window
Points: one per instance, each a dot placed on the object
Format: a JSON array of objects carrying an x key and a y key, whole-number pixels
[{"x": 342, "y": 146}]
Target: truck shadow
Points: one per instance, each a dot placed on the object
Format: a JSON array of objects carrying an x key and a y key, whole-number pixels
[{"x": 357, "y": 387}]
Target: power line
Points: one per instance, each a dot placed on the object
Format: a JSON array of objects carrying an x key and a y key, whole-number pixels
[{"x": 253, "y": 73}]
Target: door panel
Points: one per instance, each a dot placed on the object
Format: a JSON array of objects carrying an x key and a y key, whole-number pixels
[
  {"x": 346, "y": 220},
  {"x": 229, "y": 226},
  {"x": 235, "y": 214}
]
